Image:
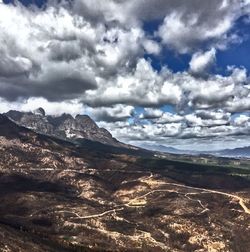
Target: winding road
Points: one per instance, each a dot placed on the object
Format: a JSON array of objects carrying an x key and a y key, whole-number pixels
[
  {"x": 132, "y": 202},
  {"x": 240, "y": 200}
]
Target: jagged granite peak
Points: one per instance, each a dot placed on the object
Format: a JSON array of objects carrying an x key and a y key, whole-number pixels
[
  {"x": 39, "y": 111},
  {"x": 64, "y": 126},
  {"x": 34, "y": 121},
  {"x": 84, "y": 122},
  {"x": 56, "y": 121},
  {"x": 14, "y": 115}
]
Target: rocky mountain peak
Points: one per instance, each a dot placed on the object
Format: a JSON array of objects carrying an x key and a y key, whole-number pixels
[
  {"x": 57, "y": 121},
  {"x": 39, "y": 111},
  {"x": 14, "y": 115},
  {"x": 86, "y": 121},
  {"x": 65, "y": 117},
  {"x": 83, "y": 118},
  {"x": 64, "y": 126}
]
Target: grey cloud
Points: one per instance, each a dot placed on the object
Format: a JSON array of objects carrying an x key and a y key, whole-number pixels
[
  {"x": 112, "y": 114},
  {"x": 144, "y": 86},
  {"x": 213, "y": 115},
  {"x": 62, "y": 52},
  {"x": 14, "y": 66},
  {"x": 150, "y": 113},
  {"x": 204, "y": 125},
  {"x": 140, "y": 86},
  {"x": 52, "y": 108},
  {"x": 101, "y": 62},
  {"x": 93, "y": 53},
  {"x": 185, "y": 30},
  {"x": 201, "y": 63},
  {"x": 65, "y": 51},
  {"x": 59, "y": 89},
  {"x": 238, "y": 104}
]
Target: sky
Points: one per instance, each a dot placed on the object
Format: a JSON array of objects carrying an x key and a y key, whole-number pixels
[{"x": 162, "y": 72}]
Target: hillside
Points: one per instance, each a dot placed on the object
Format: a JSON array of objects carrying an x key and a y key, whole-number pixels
[{"x": 60, "y": 196}]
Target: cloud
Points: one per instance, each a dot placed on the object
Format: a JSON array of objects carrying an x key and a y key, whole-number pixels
[
  {"x": 241, "y": 120},
  {"x": 157, "y": 116},
  {"x": 14, "y": 66},
  {"x": 207, "y": 119},
  {"x": 127, "y": 13},
  {"x": 111, "y": 114},
  {"x": 150, "y": 113},
  {"x": 59, "y": 53},
  {"x": 107, "y": 114},
  {"x": 207, "y": 127},
  {"x": 239, "y": 75},
  {"x": 168, "y": 118},
  {"x": 191, "y": 127},
  {"x": 185, "y": 30},
  {"x": 201, "y": 63},
  {"x": 238, "y": 104},
  {"x": 151, "y": 132},
  {"x": 94, "y": 52},
  {"x": 91, "y": 57},
  {"x": 141, "y": 85},
  {"x": 51, "y": 108},
  {"x": 41, "y": 55},
  {"x": 151, "y": 47}
]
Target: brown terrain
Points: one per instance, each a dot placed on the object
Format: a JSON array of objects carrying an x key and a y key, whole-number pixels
[{"x": 61, "y": 196}]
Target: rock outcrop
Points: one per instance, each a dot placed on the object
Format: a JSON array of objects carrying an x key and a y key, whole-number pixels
[{"x": 64, "y": 126}]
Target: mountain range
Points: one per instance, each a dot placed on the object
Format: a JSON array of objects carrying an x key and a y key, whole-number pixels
[
  {"x": 167, "y": 149},
  {"x": 243, "y": 152},
  {"x": 64, "y": 126}
]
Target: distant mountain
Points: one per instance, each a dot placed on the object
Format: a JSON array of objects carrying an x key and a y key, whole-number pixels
[
  {"x": 237, "y": 152},
  {"x": 64, "y": 126},
  {"x": 167, "y": 149}
]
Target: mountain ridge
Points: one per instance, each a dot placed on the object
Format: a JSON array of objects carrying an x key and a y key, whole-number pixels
[
  {"x": 236, "y": 152},
  {"x": 241, "y": 152},
  {"x": 64, "y": 126}
]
